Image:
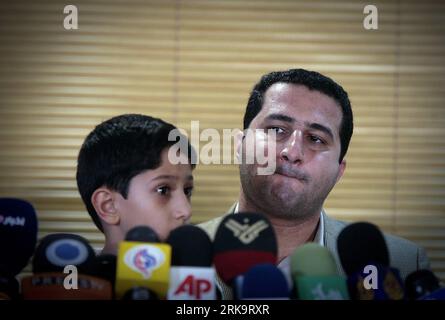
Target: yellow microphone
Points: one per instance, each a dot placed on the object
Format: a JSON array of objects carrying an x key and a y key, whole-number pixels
[{"x": 143, "y": 264}]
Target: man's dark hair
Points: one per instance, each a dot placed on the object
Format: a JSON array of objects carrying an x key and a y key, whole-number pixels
[
  {"x": 313, "y": 81},
  {"x": 119, "y": 149}
]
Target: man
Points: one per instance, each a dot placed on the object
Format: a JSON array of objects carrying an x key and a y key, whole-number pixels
[{"x": 312, "y": 119}]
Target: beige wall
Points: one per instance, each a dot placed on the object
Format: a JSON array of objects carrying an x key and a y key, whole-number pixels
[{"x": 198, "y": 60}]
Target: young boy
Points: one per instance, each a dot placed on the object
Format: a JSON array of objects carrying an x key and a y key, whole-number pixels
[{"x": 126, "y": 179}]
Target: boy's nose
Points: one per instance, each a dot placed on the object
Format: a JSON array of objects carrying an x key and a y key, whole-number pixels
[{"x": 183, "y": 210}]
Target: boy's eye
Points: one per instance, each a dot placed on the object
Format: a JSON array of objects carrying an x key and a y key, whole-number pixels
[
  {"x": 188, "y": 192},
  {"x": 163, "y": 190}
]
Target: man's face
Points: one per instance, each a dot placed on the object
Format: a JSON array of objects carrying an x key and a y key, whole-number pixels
[
  {"x": 159, "y": 198},
  {"x": 307, "y": 125}
]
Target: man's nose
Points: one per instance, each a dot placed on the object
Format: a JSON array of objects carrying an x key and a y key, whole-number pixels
[{"x": 293, "y": 150}]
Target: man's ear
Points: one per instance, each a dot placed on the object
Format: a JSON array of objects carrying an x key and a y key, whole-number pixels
[
  {"x": 239, "y": 137},
  {"x": 103, "y": 201},
  {"x": 341, "y": 170}
]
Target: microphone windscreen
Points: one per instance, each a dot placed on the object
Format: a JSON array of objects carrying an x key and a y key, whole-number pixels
[
  {"x": 264, "y": 281},
  {"x": 376, "y": 282},
  {"x": 436, "y": 295},
  {"x": 56, "y": 251},
  {"x": 9, "y": 288},
  {"x": 142, "y": 234},
  {"x": 312, "y": 259},
  {"x": 104, "y": 267},
  {"x": 242, "y": 241},
  {"x": 59, "y": 286},
  {"x": 420, "y": 283},
  {"x": 140, "y": 293},
  {"x": 143, "y": 264},
  {"x": 192, "y": 283},
  {"x": 191, "y": 247},
  {"x": 360, "y": 244},
  {"x": 18, "y": 235},
  {"x": 315, "y": 274}
]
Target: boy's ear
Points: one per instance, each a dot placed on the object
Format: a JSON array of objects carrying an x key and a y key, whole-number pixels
[{"x": 103, "y": 201}]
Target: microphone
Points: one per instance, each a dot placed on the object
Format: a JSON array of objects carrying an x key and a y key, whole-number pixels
[
  {"x": 9, "y": 288},
  {"x": 18, "y": 237},
  {"x": 191, "y": 275},
  {"x": 104, "y": 267},
  {"x": 423, "y": 285},
  {"x": 436, "y": 295},
  {"x": 360, "y": 243},
  {"x": 53, "y": 254},
  {"x": 263, "y": 282},
  {"x": 142, "y": 234},
  {"x": 315, "y": 275},
  {"x": 242, "y": 241},
  {"x": 364, "y": 256},
  {"x": 140, "y": 293},
  {"x": 142, "y": 264},
  {"x": 55, "y": 251},
  {"x": 420, "y": 283}
]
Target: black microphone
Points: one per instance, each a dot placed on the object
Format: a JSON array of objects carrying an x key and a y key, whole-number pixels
[
  {"x": 18, "y": 237},
  {"x": 191, "y": 246},
  {"x": 53, "y": 254},
  {"x": 363, "y": 252},
  {"x": 359, "y": 244},
  {"x": 55, "y": 251},
  {"x": 104, "y": 267},
  {"x": 142, "y": 234},
  {"x": 191, "y": 274},
  {"x": 420, "y": 283},
  {"x": 140, "y": 293},
  {"x": 9, "y": 288}
]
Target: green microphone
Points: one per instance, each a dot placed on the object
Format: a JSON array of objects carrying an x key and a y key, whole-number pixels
[{"x": 315, "y": 274}]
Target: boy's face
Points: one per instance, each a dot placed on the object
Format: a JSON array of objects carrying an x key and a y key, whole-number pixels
[{"x": 159, "y": 198}]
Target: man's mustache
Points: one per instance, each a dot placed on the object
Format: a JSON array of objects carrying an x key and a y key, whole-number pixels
[{"x": 291, "y": 172}]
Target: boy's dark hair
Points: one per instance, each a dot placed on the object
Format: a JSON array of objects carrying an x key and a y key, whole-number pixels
[
  {"x": 119, "y": 149},
  {"x": 313, "y": 81}
]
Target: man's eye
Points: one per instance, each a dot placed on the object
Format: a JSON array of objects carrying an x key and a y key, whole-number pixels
[
  {"x": 277, "y": 130},
  {"x": 188, "y": 192},
  {"x": 163, "y": 190},
  {"x": 315, "y": 139}
]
